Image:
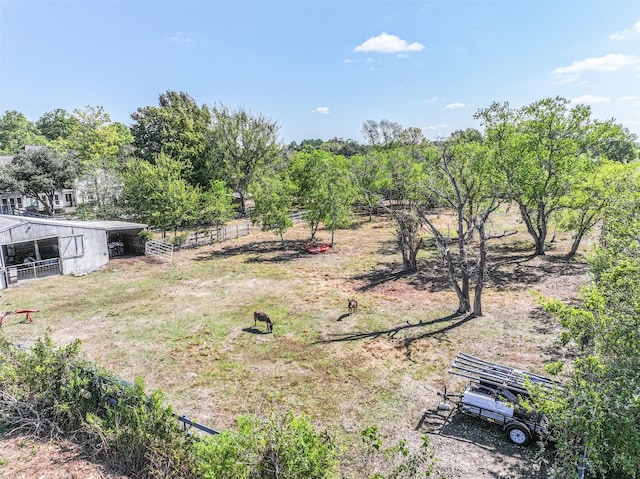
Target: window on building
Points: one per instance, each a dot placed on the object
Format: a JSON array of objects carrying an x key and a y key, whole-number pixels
[
  {"x": 68, "y": 197},
  {"x": 19, "y": 202},
  {"x": 56, "y": 200},
  {"x": 12, "y": 202}
]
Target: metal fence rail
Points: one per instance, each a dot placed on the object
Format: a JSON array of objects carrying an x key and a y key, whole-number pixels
[
  {"x": 113, "y": 391},
  {"x": 298, "y": 217},
  {"x": 160, "y": 248},
  {"x": 32, "y": 270},
  {"x": 214, "y": 235}
]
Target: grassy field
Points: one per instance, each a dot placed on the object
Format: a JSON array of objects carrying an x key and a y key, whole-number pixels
[{"x": 187, "y": 328}]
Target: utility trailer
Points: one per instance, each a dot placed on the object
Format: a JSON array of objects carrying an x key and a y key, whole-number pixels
[{"x": 495, "y": 392}]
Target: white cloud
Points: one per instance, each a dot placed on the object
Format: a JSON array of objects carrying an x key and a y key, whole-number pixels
[
  {"x": 634, "y": 101},
  {"x": 627, "y": 33},
  {"x": 431, "y": 100},
  {"x": 181, "y": 37},
  {"x": 589, "y": 99},
  {"x": 324, "y": 110},
  {"x": 385, "y": 43},
  {"x": 441, "y": 126},
  {"x": 607, "y": 63},
  {"x": 455, "y": 106}
]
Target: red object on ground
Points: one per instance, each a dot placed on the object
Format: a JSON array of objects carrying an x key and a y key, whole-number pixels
[
  {"x": 19, "y": 311},
  {"x": 316, "y": 247}
]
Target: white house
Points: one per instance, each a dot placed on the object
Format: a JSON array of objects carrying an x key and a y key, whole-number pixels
[{"x": 12, "y": 202}]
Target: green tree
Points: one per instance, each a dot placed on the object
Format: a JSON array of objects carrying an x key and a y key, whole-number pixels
[
  {"x": 217, "y": 205},
  {"x": 402, "y": 179},
  {"x": 594, "y": 190},
  {"x": 371, "y": 177},
  {"x": 596, "y": 414},
  {"x": 615, "y": 143},
  {"x": 97, "y": 140},
  {"x": 324, "y": 189},
  {"x": 57, "y": 125},
  {"x": 543, "y": 146},
  {"x": 178, "y": 127},
  {"x": 240, "y": 145},
  {"x": 16, "y": 132},
  {"x": 383, "y": 134},
  {"x": 39, "y": 174},
  {"x": 397, "y": 461},
  {"x": 102, "y": 146},
  {"x": 461, "y": 178},
  {"x": 273, "y": 196},
  {"x": 159, "y": 194}
]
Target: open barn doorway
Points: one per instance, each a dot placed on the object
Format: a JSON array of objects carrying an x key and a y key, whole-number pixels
[{"x": 31, "y": 259}]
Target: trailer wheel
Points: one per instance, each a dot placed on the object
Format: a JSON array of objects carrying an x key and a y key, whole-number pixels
[{"x": 518, "y": 433}]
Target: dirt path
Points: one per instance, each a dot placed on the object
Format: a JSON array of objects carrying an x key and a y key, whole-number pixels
[{"x": 22, "y": 458}]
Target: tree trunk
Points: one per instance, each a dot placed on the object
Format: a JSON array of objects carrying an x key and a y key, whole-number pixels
[
  {"x": 314, "y": 228},
  {"x": 48, "y": 205},
  {"x": 243, "y": 209},
  {"x": 462, "y": 261},
  {"x": 409, "y": 225},
  {"x": 482, "y": 265},
  {"x": 576, "y": 243},
  {"x": 538, "y": 236},
  {"x": 463, "y": 300}
]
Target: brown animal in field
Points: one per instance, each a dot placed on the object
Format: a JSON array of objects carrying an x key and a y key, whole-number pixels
[
  {"x": 264, "y": 317},
  {"x": 353, "y": 306}
]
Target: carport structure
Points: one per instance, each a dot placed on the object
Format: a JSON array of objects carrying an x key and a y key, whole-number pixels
[{"x": 36, "y": 247}]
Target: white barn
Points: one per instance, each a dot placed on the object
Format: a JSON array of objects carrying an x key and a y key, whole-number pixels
[{"x": 36, "y": 247}]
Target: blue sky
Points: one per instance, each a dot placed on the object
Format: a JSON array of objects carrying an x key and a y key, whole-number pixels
[{"x": 321, "y": 68}]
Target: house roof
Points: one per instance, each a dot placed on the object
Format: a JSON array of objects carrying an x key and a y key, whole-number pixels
[{"x": 10, "y": 221}]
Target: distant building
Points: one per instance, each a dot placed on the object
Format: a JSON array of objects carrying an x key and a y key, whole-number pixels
[
  {"x": 13, "y": 202},
  {"x": 36, "y": 247}
]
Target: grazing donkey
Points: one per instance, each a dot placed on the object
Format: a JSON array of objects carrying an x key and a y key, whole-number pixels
[
  {"x": 353, "y": 306},
  {"x": 264, "y": 317}
]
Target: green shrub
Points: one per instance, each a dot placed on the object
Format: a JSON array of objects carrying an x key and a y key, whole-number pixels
[
  {"x": 397, "y": 461},
  {"x": 142, "y": 434},
  {"x": 48, "y": 392},
  {"x": 145, "y": 235},
  {"x": 286, "y": 447},
  {"x": 44, "y": 391}
]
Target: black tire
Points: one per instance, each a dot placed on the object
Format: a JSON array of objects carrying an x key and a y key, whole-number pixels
[{"x": 518, "y": 433}]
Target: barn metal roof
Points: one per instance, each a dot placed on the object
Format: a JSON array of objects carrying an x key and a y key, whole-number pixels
[{"x": 8, "y": 222}]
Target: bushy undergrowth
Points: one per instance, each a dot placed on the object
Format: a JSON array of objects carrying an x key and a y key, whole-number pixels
[
  {"x": 284, "y": 447},
  {"x": 50, "y": 392}
]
